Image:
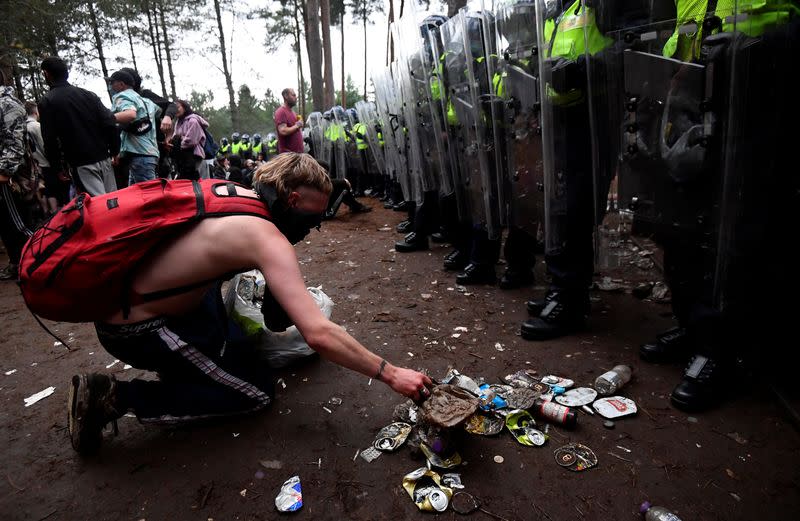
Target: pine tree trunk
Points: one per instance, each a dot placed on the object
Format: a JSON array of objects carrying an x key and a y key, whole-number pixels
[
  {"x": 453, "y": 7},
  {"x": 364, "y": 19},
  {"x": 98, "y": 42},
  {"x": 167, "y": 50},
  {"x": 325, "y": 20},
  {"x": 344, "y": 95},
  {"x": 299, "y": 62},
  {"x": 130, "y": 41},
  {"x": 314, "y": 49},
  {"x": 389, "y": 42},
  {"x": 228, "y": 80},
  {"x": 154, "y": 41}
]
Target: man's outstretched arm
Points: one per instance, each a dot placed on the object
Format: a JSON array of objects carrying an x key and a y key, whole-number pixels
[{"x": 278, "y": 262}]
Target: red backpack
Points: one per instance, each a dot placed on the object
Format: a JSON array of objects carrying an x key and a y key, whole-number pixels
[{"x": 78, "y": 266}]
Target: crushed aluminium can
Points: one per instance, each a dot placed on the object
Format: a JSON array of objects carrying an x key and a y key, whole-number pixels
[
  {"x": 577, "y": 397},
  {"x": 453, "y": 377},
  {"x": 575, "y": 457},
  {"x": 557, "y": 381},
  {"x": 391, "y": 437},
  {"x": 615, "y": 407},
  {"x": 521, "y": 398},
  {"x": 427, "y": 491},
  {"x": 290, "y": 498},
  {"x": 490, "y": 400},
  {"x": 525, "y": 378},
  {"x": 483, "y": 425},
  {"x": 523, "y": 427}
]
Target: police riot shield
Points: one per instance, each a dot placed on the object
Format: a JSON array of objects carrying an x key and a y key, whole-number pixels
[
  {"x": 401, "y": 69},
  {"x": 315, "y": 130},
  {"x": 759, "y": 196},
  {"x": 516, "y": 86},
  {"x": 327, "y": 144},
  {"x": 351, "y": 146},
  {"x": 415, "y": 38},
  {"x": 368, "y": 115},
  {"x": 336, "y": 133},
  {"x": 466, "y": 82},
  {"x": 390, "y": 153},
  {"x": 580, "y": 129},
  {"x": 389, "y": 103},
  {"x": 436, "y": 95}
]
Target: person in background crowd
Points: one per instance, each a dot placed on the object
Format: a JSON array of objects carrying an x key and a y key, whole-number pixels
[
  {"x": 56, "y": 189},
  {"x": 14, "y": 222},
  {"x": 137, "y": 117},
  {"x": 188, "y": 143},
  {"x": 289, "y": 125},
  {"x": 79, "y": 133}
]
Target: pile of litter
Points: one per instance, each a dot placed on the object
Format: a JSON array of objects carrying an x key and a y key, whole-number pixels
[{"x": 524, "y": 404}]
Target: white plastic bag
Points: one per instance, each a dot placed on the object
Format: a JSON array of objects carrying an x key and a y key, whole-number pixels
[{"x": 242, "y": 301}]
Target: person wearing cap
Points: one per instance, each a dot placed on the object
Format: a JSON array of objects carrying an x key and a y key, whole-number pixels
[
  {"x": 79, "y": 132},
  {"x": 137, "y": 117},
  {"x": 165, "y": 125}
]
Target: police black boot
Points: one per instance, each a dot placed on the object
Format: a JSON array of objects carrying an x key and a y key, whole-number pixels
[
  {"x": 439, "y": 237},
  {"x": 412, "y": 242},
  {"x": 404, "y": 226},
  {"x": 672, "y": 345},
  {"x": 477, "y": 274},
  {"x": 535, "y": 306},
  {"x": 456, "y": 260},
  {"x": 703, "y": 385},
  {"x": 402, "y": 206},
  {"x": 515, "y": 278},
  {"x": 561, "y": 316}
]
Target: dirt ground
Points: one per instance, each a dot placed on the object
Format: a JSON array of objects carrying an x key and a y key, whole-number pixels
[{"x": 737, "y": 462}]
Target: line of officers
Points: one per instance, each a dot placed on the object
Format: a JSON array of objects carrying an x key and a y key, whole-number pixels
[
  {"x": 247, "y": 147},
  {"x": 338, "y": 138},
  {"x": 515, "y": 122}
]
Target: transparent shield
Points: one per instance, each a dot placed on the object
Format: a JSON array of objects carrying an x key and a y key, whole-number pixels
[
  {"x": 466, "y": 82},
  {"x": 418, "y": 168},
  {"x": 368, "y": 115},
  {"x": 518, "y": 88},
  {"x": 579, "y": 151},
  {"x": 327, "y": 144},
  {"x": 759, "y": 186},
  {"x": 315, "y": 131},
  {"x": 382, "y": 104}
]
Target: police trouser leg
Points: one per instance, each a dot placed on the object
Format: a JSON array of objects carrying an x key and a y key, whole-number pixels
[
  {"x": 426, "y": 215},
  {"x": 519, "y": 250}
]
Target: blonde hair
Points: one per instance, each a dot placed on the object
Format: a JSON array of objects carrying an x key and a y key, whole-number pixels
[{"x": 288, "y": 171}]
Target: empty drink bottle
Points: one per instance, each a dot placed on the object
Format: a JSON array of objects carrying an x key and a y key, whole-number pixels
[{"x": 610, "y": 382}]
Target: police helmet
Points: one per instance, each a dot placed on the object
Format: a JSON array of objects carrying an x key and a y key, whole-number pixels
[
  {"x": 338, "y": 112},
  {"x": 271, "y": 136},
  {"x": 474, "y": 23},
  {"x": 245, "y": 138},
  {"x": 235, "y": 137},
  {"x": 327, "y": 115},
  {"x": 224, "y": 141},
  {"x": 517, "y": 23},
  {"x": 256, "y": 138},
  {"x": 431, "y": 23},
  {"x": 353, "y": 115}
]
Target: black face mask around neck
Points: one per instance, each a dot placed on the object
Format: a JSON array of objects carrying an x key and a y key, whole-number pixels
[{"x": 294, "y": 224}]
